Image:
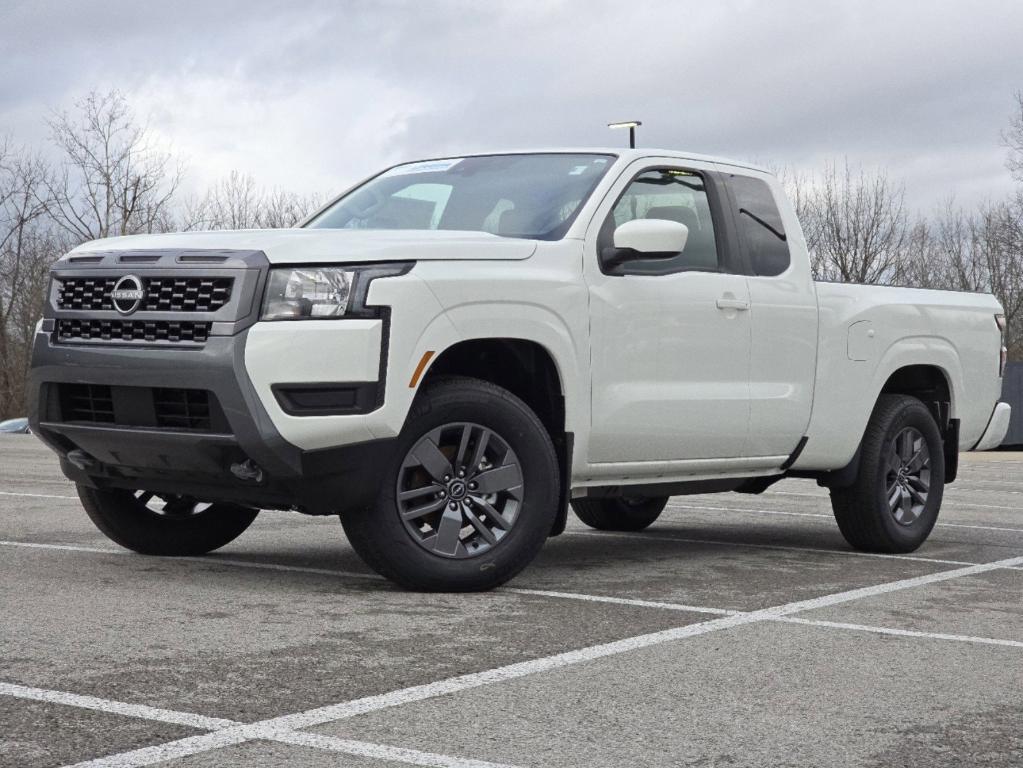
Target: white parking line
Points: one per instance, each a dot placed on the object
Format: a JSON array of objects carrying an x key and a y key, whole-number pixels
[
  {"x": 655, "y": 535},
  {"x": 786, "y": 513},
  {"x": 37, "y": 495},
  {"x": 208, "y": 560},
  {"x": 217, "y": 725},
  {"x": 380, "y": 751},
  {"x": 63, "y": 547},
  {"x": 521, "y": 669},
  {"x": 158, "y": 753},
  {"x": 621, "y": 601},
  {"x": 900, "y": 632},
  {"x": 215, "y": 560},
  {"x": 730, "y": 509},
  {"x": 348, "y": 709},
  {"x": 115, "y": 707}
]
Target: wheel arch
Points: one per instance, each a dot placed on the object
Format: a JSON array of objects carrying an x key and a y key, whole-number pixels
[
  {"x": 524, "y": 367},
  {"x": 931, "y": 385},
  {"x": 528, "y": 370}
]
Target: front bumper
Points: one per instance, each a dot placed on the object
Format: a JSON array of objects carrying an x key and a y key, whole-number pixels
[
  {"x": 142, "y": 455},
  {"x": 997, "y": 428}
]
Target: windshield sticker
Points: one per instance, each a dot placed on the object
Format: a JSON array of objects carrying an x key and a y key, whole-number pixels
[
  {"x": 427, "y": 166},
  {"x": 578, "y": 170}
]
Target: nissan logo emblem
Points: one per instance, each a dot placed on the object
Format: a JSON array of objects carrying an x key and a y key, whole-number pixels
[{"x": 127, "y": 294}]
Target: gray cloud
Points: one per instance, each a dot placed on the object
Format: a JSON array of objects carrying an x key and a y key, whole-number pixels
[{"x": 312, "y": 95}]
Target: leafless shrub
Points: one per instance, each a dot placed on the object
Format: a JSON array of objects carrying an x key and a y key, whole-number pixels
[
  {"x": 1012, "y": 139},
  {"x": 237, "y": 202},
  {"x": 854, "y": 222},
  {"x": 27, "y": 248},
  {"x": 112, "y": 179}
]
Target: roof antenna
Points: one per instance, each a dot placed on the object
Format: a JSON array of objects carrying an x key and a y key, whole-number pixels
[{"x": 631, "y": 125}]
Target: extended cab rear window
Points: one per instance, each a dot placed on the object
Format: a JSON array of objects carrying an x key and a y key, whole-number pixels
[{"x": 760, "y": 225}]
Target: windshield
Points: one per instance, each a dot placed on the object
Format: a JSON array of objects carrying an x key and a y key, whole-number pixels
[{"x": 529, "y": 196}]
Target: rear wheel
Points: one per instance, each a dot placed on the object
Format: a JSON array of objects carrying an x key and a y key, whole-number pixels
[
  {"x": 894, "y": 503},
  {"x": 623, "y": 513},
  {"x": 470, "y": 496},
  {"x": 164, "y": 524}
]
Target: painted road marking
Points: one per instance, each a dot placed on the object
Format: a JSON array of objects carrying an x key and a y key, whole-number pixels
[
  {"x": 115, "y": 707},
  {"x": 901, "y": 632},
  {"x": 786, "y": 513},
  {"x": 227, "y": 733}
]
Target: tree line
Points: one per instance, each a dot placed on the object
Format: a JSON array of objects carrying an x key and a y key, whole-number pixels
[{"x": 105, "y": 175}]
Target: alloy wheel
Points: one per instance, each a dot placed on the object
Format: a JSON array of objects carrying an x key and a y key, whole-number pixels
[
  {"x": 908, "y": 476},
  {"x": 459, "y": 490}
]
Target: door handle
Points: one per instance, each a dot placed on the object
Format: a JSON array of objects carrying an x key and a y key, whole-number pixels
[{"x": 728, "y": 302}]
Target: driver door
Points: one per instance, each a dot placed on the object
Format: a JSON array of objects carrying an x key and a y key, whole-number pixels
[{"x": 670, "y": 337}]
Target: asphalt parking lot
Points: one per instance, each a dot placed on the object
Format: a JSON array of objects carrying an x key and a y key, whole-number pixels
[{"x": 739, "y": 630}]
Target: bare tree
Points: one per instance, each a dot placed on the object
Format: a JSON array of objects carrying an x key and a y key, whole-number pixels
[
  {"x": 855, "y": 224},
  {"x": 286, "y": 209},
  {"x": 238, "y": 203},
  {"x": 1000, "y": 232},
  {"x": 112, "y": 180},
  {"x": 26, "y": 254},
  {"x": 1012, "y": 138}
]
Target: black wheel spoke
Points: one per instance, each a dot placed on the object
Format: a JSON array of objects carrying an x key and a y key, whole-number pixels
[
  {"x": 906, "y": 446},
  {"x": 915, "y": 495},
  {"x": 463, "y": 446},
  {"x": 414, "y": 513},
  {"x": 486, "y": 533},
  {"x": 448, "y": 535},
  {"x": 479, "y": 452},
  {"x": 894, "y": 496},
  {"x": 492, "y": 513},
  {"x": 919, "y": 460},
  {"x": 416, "y": 493},
  {"x": 499, "y": 479},
  {"x": 432, "y": 460}
]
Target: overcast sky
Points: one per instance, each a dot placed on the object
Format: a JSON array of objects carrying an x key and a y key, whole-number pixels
[{"x": 313, "y": 95}]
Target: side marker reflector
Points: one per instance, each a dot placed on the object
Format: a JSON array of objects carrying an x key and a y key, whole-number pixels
[{"x": 420, "y": 368}]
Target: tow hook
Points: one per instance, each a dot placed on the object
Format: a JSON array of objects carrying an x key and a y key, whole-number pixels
[
  {"x": 247, "y": 470},
  {"x": 81, "y": 460}
]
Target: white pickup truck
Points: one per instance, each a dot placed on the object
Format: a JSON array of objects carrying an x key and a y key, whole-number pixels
[{"x": 456, "y": 351}]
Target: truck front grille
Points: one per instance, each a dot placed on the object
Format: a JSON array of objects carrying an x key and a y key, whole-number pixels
[
  {"x": 182, "y": 408},
  {"x": 87, "y": 402},
  {"x": 184, "y": 332},
  {"x": 162, "y": 294},
  {"x": 195, "y": 410}
]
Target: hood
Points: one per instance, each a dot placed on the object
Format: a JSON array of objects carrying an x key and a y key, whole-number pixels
[{"x": 290, "y": 246}]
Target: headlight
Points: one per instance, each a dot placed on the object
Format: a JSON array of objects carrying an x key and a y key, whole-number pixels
[{"x": 319, "y": 293}]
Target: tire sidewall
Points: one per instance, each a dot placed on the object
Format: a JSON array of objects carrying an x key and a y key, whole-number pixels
[
  {"x": 643, "y": 514},
  {"x": 517, "y": 426},
  {"x": 130, "y": 523},
  {"x": 916, "y": 415}
]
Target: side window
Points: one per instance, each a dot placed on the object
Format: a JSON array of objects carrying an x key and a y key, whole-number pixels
[
  {"x": 671, "y": 194},
  {"x": 760, "y": 226}
]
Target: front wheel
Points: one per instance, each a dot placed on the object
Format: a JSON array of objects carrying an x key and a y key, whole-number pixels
[
  {"x": 894, "y": 503},
  {"x": 469, "y": 497},
  {"x": 165, "y": 524}
]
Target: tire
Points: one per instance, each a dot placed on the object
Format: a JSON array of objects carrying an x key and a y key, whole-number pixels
[
  {"x": 442, "y": 549},
  {"x": 182, "y": 526},
  {"x": 882, "y": 510},
  {"x": 623, "y": 513}
]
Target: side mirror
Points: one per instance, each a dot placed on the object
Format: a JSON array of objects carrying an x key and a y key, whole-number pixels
[{"x": 646, "y": 239}]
